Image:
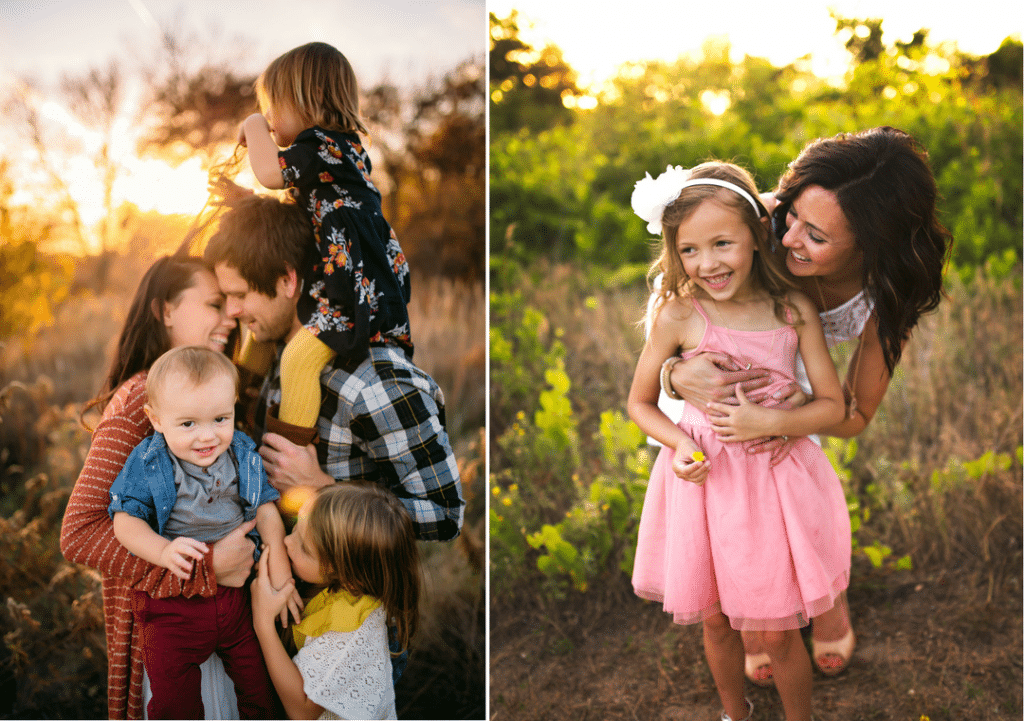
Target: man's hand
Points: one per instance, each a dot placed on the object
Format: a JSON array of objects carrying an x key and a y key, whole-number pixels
[
  {"x": 289, "y": 466},
  {"x": 232, "y": 556}
]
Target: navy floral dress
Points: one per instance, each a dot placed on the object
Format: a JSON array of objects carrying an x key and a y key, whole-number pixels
[{"x": 357, "y": 290}]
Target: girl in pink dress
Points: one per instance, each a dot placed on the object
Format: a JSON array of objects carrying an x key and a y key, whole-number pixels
[{"x": 736, "y": 540}]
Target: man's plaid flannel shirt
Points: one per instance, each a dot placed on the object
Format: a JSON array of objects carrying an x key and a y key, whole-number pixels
[{"x": 384, "y": 422}]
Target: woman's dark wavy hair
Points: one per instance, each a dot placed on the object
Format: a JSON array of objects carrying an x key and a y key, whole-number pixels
[
  {"x": 886, "y": 190},
  {"x": 144, "y": 336}
]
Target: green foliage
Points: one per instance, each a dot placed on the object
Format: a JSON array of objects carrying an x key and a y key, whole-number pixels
[
  {"x": 598, "y": 534},
  {"x": 31, "y": 286},
  {"x": 527, "y": 85},
  {"x": 562, "y": 191}
]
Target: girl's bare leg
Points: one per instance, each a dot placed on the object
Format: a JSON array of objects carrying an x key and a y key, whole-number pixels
[
  {"x": 832, "y": 625},
  {"x": 791, "y": 667},
  {"x": 723, "y": 648}
]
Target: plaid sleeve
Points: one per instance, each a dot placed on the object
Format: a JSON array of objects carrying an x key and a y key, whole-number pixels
[{"x": 394, "y": 434}]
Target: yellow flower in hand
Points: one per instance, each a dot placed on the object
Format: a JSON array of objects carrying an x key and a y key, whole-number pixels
[{"x": 697, "y": 456}]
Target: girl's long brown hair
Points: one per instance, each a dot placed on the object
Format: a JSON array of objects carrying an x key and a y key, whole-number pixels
[
  {"x": 366, "y": 544},
  {"x": 317, "y": 81}
]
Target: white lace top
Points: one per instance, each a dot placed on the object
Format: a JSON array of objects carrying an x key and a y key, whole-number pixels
[
  {"x": 842, "y": 323},
  {"x": 847, "y": 321},
  {"x": 349, "y": 673}
]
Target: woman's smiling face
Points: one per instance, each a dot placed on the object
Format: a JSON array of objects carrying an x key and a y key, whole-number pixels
[
  {"x": 818, "y": 239},
  {"x": 198, "y": 316}
]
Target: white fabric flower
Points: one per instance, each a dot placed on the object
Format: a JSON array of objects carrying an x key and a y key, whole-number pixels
[{"x": 651, "y": 195}]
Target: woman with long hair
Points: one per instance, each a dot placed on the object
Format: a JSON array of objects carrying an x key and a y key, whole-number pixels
[{"x": 178, "y": 302}]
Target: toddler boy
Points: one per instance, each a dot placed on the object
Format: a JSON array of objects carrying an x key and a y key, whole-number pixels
[{"x": 189, "y": 484}]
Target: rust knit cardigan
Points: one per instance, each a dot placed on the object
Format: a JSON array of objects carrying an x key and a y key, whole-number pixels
[{"x": 87, "y": 537}]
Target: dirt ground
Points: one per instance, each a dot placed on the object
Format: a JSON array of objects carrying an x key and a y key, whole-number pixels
[{"x": 942, "y": 646}]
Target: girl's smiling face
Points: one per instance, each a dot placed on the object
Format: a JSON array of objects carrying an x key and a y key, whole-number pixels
[
  {"x": 818, "y": 238},
  {"x": 717, "y": 250},
  {"x": 301, "y": 553}
]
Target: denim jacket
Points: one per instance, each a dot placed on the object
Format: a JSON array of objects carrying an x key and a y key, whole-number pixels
[{"x": 145, "y": 486}]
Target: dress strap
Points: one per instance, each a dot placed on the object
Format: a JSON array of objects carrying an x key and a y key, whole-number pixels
[{"x": 700, "y": 309}]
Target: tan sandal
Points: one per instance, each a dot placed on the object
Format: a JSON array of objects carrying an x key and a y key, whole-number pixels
[
  {"x": 754, "y": 662},
  {"x": 843, "y": 648},
  {"x": 750, "y": 712}
]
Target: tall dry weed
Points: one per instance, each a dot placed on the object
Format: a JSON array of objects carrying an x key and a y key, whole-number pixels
[
  {"x": 448, "y": 320},
  {"x": 941, "y": 459}
]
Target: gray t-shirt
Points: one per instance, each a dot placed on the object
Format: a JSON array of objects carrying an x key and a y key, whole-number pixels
[{"x": 208, "y": 506}]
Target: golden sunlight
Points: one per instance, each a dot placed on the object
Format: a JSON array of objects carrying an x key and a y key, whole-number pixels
[{"x": 152, "y": 184}]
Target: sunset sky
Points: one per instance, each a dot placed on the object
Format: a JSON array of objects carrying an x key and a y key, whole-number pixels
[
  {"x": 596, "y": 36},
  {"x": 406, "y": 43},
  {"x": 404, "y": 40}
]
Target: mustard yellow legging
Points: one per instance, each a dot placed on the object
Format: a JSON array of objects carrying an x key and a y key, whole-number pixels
[{"x": 302, "y": 359}]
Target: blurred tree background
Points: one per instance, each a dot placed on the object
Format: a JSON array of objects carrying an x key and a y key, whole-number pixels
[
  {"x": 563, "y": 162},
  {"x": 71, "y": 254}
]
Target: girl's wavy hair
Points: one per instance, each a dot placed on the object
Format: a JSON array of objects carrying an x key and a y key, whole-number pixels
[
  {"x": 887, "y": 193},
  {"x": 366, "y": 544},
  {"x": 765, "y": 271},
  {"x": 317, "y": 81}
]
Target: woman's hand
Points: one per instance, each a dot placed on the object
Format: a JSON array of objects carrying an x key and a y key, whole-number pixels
[
  {"x": 268, "y": 602},
  {"x": 688, "y": 468},
  {"x": 712, "y": 377},
  {"x": 232, "y": 556}
]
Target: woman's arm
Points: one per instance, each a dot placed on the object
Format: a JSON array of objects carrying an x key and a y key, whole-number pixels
[
  {"x": 749, "y": 421},
  {"x": 867, "y": 380},
  {"x": 267, "y": 604}
]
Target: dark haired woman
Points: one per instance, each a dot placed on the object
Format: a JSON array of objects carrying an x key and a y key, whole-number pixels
[
  {"x": 857, "y": 228},
  {"x": 177, "y": 303}
]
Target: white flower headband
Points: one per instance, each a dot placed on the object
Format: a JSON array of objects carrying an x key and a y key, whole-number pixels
[{"x": 652, "y": 195}]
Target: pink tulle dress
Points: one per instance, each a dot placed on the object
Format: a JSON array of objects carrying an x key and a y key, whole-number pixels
[{"x": 767, "y": 545}]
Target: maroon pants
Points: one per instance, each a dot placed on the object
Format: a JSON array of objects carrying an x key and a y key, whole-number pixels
[{"x": 177, "y": 634}]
